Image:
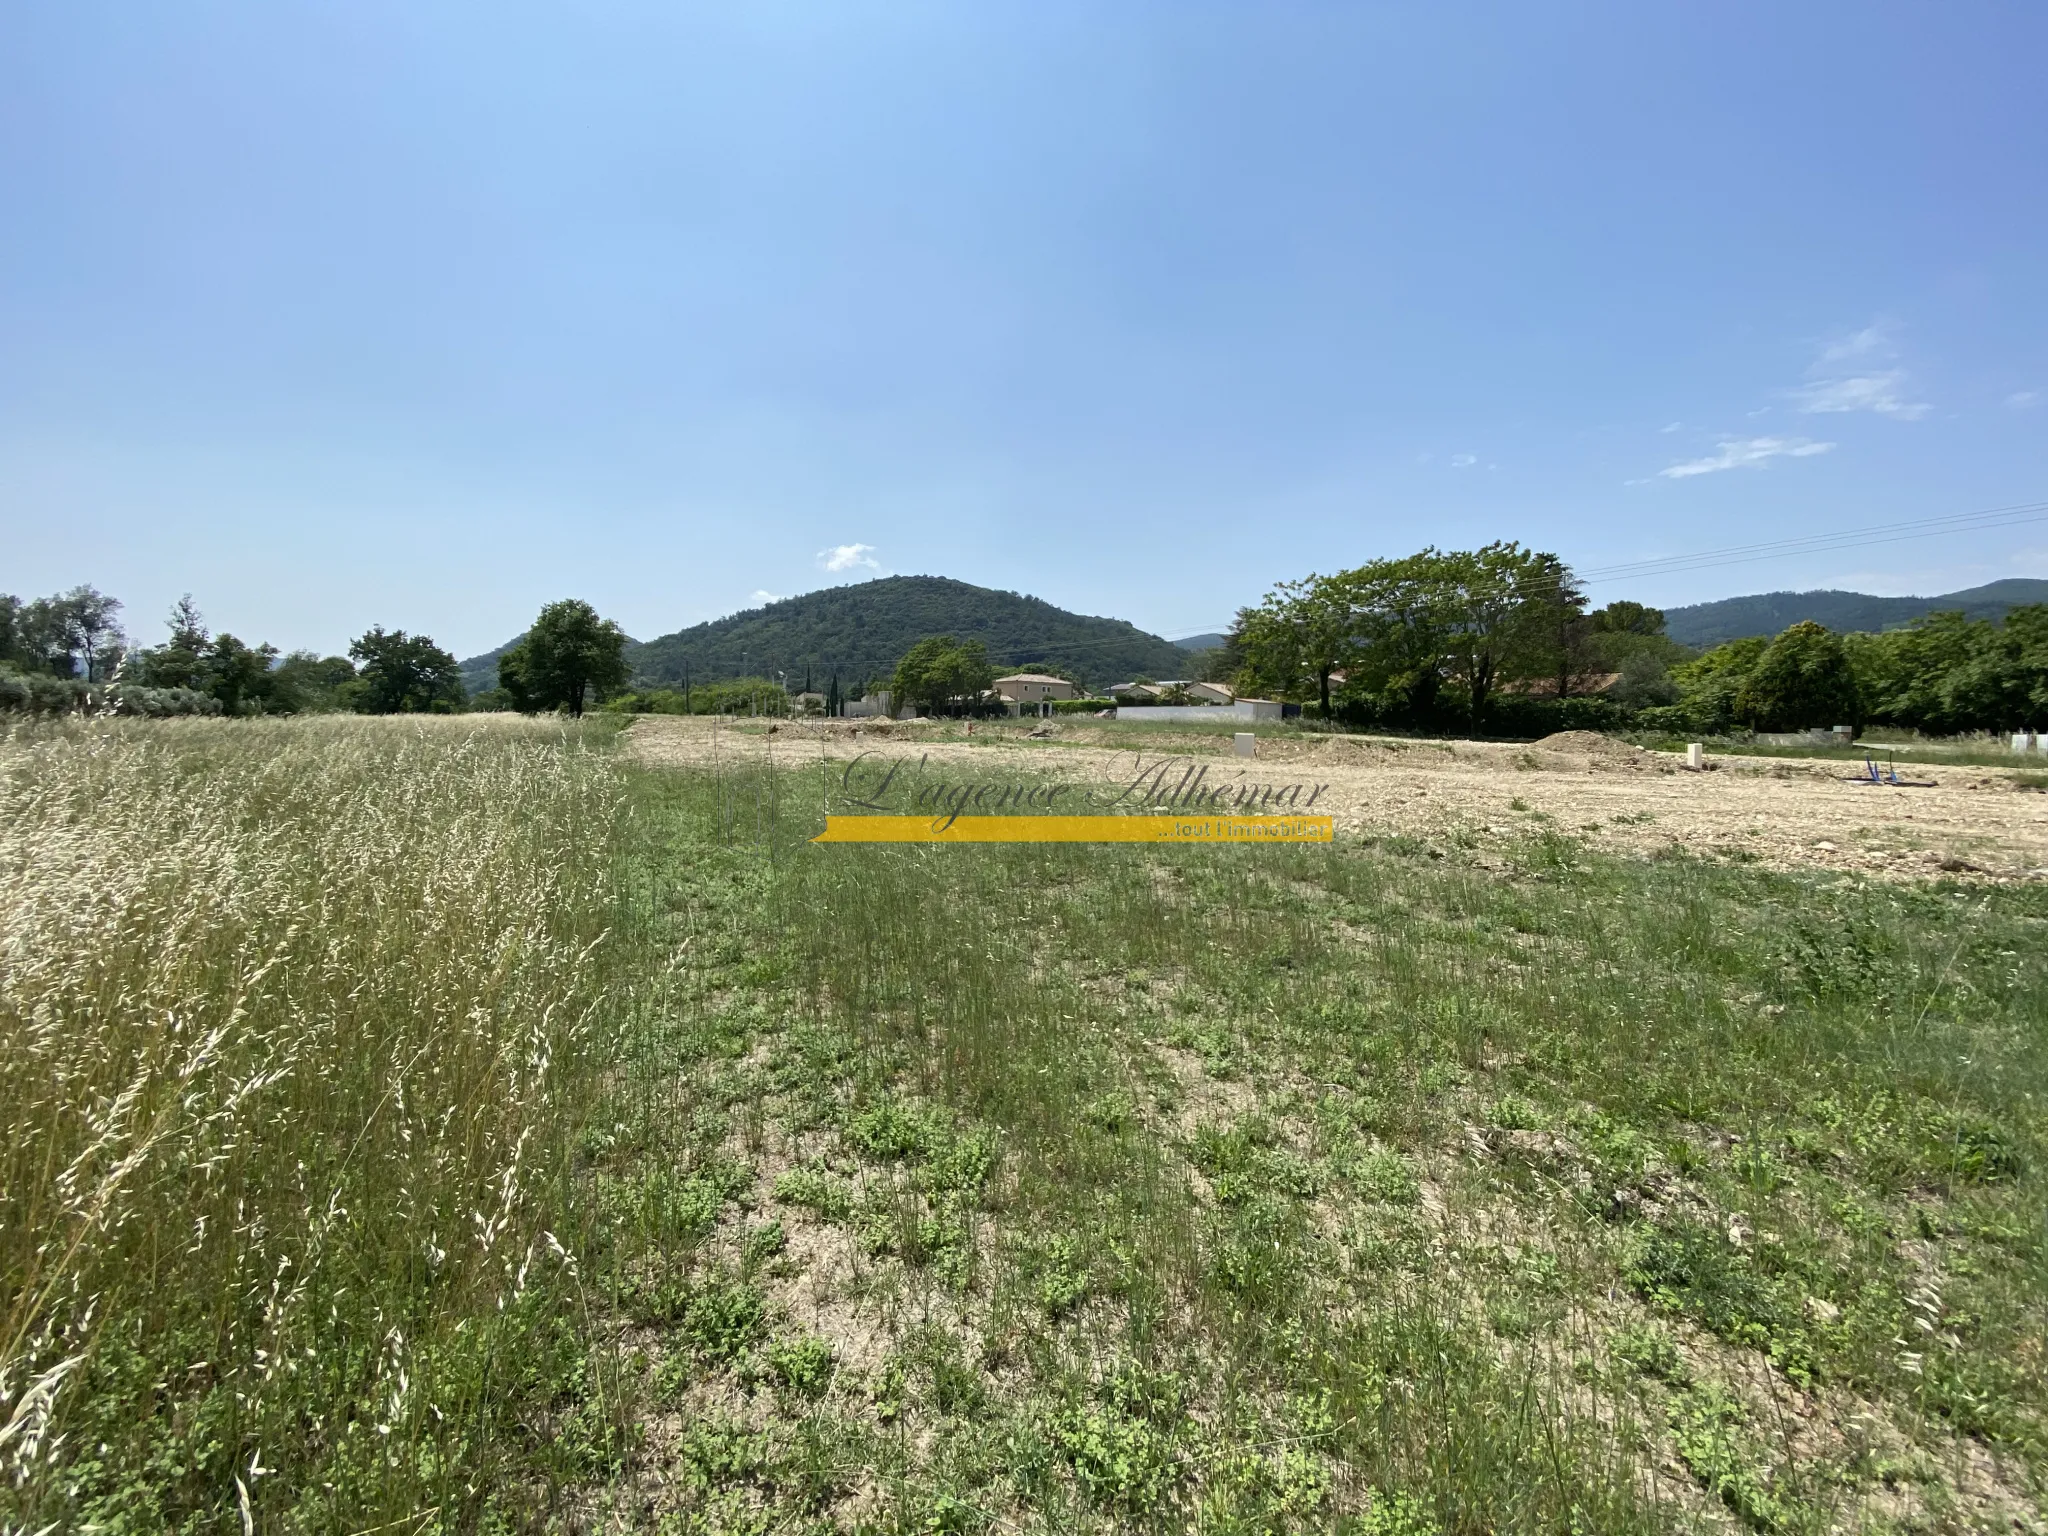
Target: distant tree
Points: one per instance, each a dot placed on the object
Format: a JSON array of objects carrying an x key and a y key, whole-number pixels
[
  {"x": 1802, "y": 680},
  {"x": 72, "y": 635},
  {"x": 1301, "y": 636},
  {"x": 1645, "y": 682},
  {"x": 308, "y": 683},
  {"x": 1946, "y": 672},
  {"x": 939, "y": 668},
  {"x": 1626, "y": 618},
  {"x": 180, "y": 662},
  {"x": 1504, "y": 604},
  {"x": 404, "y": 674},
  {"x": 239, "y": 675},
  {"x": 1709, "y": 684},
  {"x": 569, "y": 654},
  {"x": 89, "y": 617}
]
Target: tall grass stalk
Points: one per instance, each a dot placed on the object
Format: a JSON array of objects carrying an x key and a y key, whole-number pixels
[{"x": 292, "y": 1026}]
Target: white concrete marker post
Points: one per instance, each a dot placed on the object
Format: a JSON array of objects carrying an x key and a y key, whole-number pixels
[
  {"x": 1244, "y": 743},
  {"x": 1695, "y": 755}
]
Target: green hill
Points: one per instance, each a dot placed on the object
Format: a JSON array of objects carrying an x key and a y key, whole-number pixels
[
  {"x": 1767, "y": 613},
  {"x": 860, "y": 632}
]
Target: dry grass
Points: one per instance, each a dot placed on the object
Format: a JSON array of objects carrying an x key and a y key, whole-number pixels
[{"x": 290, "y": 1021}]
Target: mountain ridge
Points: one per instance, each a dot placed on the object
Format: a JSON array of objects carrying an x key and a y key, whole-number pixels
[
  {"x": 1769, "y": 613},
  {"x": 861, "y": 631}
]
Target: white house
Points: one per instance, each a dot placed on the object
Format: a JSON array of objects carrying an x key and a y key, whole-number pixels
[{"x": 1025, "y": 692}]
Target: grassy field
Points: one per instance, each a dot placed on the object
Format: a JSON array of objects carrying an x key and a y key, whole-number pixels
[
  {"x": 296, "y": 1024},
  {"x": 426, "y": 1129}
]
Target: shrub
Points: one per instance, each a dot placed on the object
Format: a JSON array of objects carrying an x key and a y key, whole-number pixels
[
  {"x": 1803, "y": 680},
  {"x": 38, "y": 693},
  {"x": 158, "y": 703}
]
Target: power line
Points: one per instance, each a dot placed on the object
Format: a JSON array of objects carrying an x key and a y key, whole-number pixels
[{"x": 1888, "y": 533}]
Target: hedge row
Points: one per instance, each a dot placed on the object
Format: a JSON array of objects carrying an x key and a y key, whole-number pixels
[{"x": 38, "y": 693}]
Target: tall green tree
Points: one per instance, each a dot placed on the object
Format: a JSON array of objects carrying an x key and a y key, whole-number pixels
[
  {"x": 1405, "y": 610},
  {"x": 180, "y": 662},
  {"x": 74, "y": 634},
  {"x": 568, "y": 657},
  {"x": 92, "y": 625},
  {"x": 404, "y": 674},
  {"x": 940, "y": 668},
  {"x": 1506, "y": 606},
  {"x": 1802, "y": 680},
  {"x": 239, "y": 675},
  {"x": 306, "y": 682},
  {"x": 1299, "y": 638}
]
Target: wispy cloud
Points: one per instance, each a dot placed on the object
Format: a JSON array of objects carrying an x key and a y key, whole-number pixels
[
  {"x": 847, "y": 557},
  {"x": 1874, "y": 340},
  {"x": 1883, "y": 393},
  {"x": 1849, "y": 375},
  {"x": 1464, "y": 460},
  {"x": 1746, "y": 453},
  {"x": 765, "y": 597},
  {"x": 2022, "y": 399}
]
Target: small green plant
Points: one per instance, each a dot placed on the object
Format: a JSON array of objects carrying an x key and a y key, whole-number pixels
[
  {"x": 1124, "y": 1442},
  {"x": 1063, "y": 1282},
  {"x": 1648, "y": 1349},
  {"x": 1383, "y": 1175},
  {"x": 813, "y": 1188},
  {"x": 765, "y": 1242},
  {"x": 803, "y": 1366},
  {"x": 1397, "y": 1514},
  {"x": 1710, "y": 1429},
  {"x": 723, "y": 1318}
]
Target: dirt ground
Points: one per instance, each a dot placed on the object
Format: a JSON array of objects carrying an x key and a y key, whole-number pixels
[{"x": 1971, "y": 823}]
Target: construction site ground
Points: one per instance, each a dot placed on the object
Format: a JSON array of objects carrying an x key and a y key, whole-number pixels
[{"x": 1973, "y": 823}]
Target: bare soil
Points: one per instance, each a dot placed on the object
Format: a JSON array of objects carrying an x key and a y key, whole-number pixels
[{"x": 1970, "y": 823}]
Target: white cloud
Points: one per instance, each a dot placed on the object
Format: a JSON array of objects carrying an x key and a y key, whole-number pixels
[
  {"x": 1873, "y": 339},
  {"x": 1844, "y": 379},
  {"x": 765, "y": 597},
  {"x": 2020, "y": 400},
  {"x": 1746, "y": 453},
  {"x": 1879, "y": 392},
  {"x": 846, "y": 557},
  {"x": 1671, "y": 426},
  {"x": 1464, "y": 460}
]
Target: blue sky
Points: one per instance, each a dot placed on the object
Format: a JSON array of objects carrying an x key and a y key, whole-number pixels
[{"x": 426, "y": 314}]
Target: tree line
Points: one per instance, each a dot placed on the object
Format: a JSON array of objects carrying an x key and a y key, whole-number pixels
[
  {"x": 1502, "y": 640},
  {"x": 1446, "y": 639},
  {"x": 1944, "y": 675},
  {"x": 939, "y": 673},
  {"x": 68, "y": 653},
  {"x": 1499, "y": 640}
]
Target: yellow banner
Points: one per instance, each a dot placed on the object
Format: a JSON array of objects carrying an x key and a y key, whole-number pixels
[{"x": 1203, "y": 828}]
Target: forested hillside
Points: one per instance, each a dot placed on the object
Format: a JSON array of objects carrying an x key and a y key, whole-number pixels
[
  {"x": 860, "y": 632},
  {"x": 1769, "y": 613}
]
